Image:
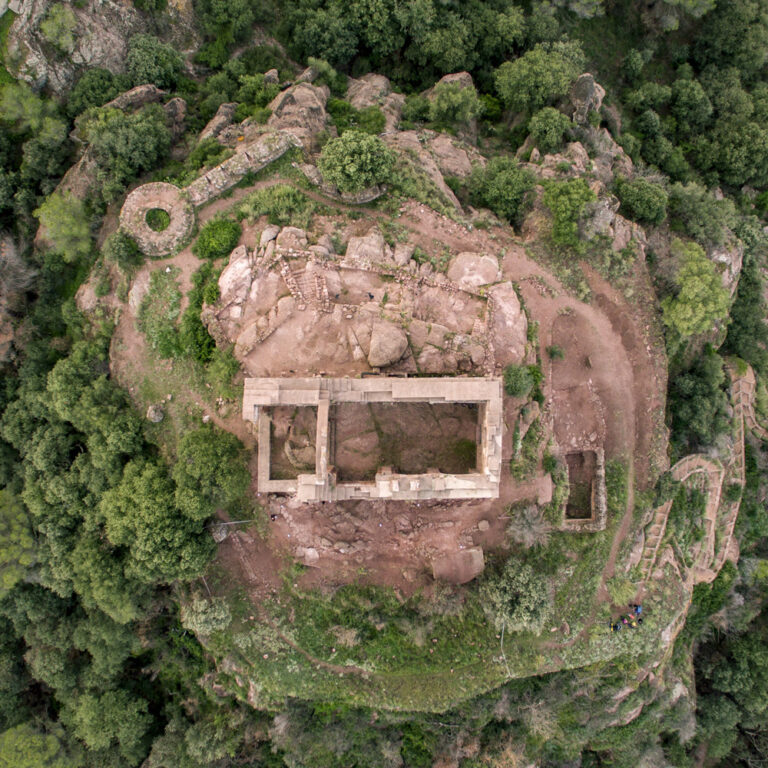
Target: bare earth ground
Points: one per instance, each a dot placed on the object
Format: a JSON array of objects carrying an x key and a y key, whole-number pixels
[{"x": 607, "y": 384}]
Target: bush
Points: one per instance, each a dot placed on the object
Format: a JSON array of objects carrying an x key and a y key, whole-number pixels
[
  {"x": 547, "y": 127},
  {"x": 454, "y": 103},
  {"x": 95, "y": 87},
  {"x": 643, "y": 200},
  {"x": 217, "y": 239},
  {"x": 566, "y": 200},
  {"x": 157, "y": 219},
  {"x": 58, "y": 27},
  {"x": 150, "y": 61},
  {"x": 701, "y": 299},
  {"x": 159, "y": 312},
  {"x": 518, "y": 598},
  {"x": 121, "y": 249},
  {"x": 345, "y": 117},
  {"x": 356, "y": 161},
  {"x": 204, "y": 617},
  {"x": 282, "y": 204},
  {"x": 503, "y": 187},
  {"x": 518, "y": 380},
  {"x": 65, "y": 225},
  {"x": 416, "y": 108}
]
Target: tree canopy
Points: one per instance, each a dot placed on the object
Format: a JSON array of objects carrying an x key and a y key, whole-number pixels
[{"x": 356, "y": 161}]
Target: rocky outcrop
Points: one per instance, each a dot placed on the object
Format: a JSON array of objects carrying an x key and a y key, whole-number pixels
[
  {"x": 388, "y": 344},
  {"x": 100, "y": 39},
  {"x": 369, "y": 249},
  {"x": 509, "y": 324},
  {"x": 300, "y": 111},
  {"x": 471, "y": 270},
  {"x": 218, "y": 122},
  {"x": 410, "y": 144},
  {"x": 586, "y": 96},
  {"x": 373, "y": 90},
  {"x": 453, "y": 156}
]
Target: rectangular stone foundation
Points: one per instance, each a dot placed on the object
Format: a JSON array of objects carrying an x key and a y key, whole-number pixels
[{"x": 260, "y": 394}]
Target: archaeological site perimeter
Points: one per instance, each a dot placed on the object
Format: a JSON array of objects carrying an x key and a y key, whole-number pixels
[{"x": 322, "y": 401}]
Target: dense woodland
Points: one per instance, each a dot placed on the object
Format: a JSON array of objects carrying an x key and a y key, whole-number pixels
[{"x": 104, "y": 535}]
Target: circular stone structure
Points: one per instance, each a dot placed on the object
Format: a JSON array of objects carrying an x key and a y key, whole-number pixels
[{"x": 167, "y": 197}]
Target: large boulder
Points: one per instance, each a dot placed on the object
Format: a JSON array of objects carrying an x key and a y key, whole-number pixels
[
  {"x": 371, "y": 248},
  {"x": 300, "y": 110},
  {"x": 586, "y": 95},
  {"x": 219, "y": 121},
  {"x": 471, "y": 270},
  {"x": 235, "y": 280},
  {"x": 388, "y": 344},
  {"x": 374, "y": 90},
  {"x": 510, "y": 326}
]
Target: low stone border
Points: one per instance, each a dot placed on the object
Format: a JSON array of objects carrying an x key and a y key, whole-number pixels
[{"x": 167, "y": 197}]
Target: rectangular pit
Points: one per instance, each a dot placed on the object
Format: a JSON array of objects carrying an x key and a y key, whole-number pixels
[
  {"x": 292, "y": 441},
  {"x": 582, "y": 468},
  {"x": 410, "y": 438}
]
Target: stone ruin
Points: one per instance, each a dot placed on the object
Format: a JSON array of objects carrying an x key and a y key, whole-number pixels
[
  {"x": 321, "y": 393},
  {"x": 180, "y": 203}
]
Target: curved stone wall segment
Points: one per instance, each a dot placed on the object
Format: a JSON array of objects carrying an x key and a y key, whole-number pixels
[{"x": 180, "y": 204}]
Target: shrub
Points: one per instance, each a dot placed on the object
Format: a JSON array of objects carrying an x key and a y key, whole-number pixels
[
  {"x": 58, "y": 27},
  {"x": 566, "y": 200},
  {"x": 159, "y": 312},
  {"x": 518, "y": 598},
  {"x": 642, "y": 200},
  {"x": 95, "y": 87},
  {"x": 345, "y": 117},
  {"x": 121, "y": 249},
  {"x": 217, "y": 239},
  {"x": 555, "y": 353},
  {"x": 204, "y": 617},
  {"x": 356, "y": 161},
  {"x": 695, "y": 211},
  {"x": 150, "y": 61},
  {"x": 157, "y": 219},
  {"x": 701, "y": 299},
  {"x": 454, "y": 103},
  {"x": 416, "y": 108},
  {"x": 548, "y": 126},
  {"x": 503, "y": 187},
  {"x": 518, "y": 380},
  {"x": 65, "y": 226},
  {"x": 282, "y": 204},
  {"x": 529, "y": 527}
]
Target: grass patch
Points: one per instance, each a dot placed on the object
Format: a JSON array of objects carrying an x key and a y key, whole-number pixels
[
  {"x": 281, "y": 203},
  {"x": 159, "y": 312}
]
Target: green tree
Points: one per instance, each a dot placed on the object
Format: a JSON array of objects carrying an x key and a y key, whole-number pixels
[
  {"x": 503, "y": 187},
  {"x": 566, "y": 200},
  {"x": 58, "y": 27},
  {"x": 548, "y": 126},
  {"x": 356, "y": 161},
  {"x": 454, "y": 103},
  {"x": 17, "y": 544},
  {"x": 695, "y": 211},
  {"x": 217, "y": 239},
  {"x": 150, "y": 61},
  {"x": 22, "y": 108},
  {"x": 65, "y": 226},
  {"x": 26, "y": 747},
  {"x": 518, "y": 599},
  {"x": 691, "y": 106},
  {"x": 210, "y": 472},
  {"x": 642, "y": 200},
  {"x": 121, "y": 249},
  {"x": 541, "y": 75},
  {"x": 141, "y": 515},
  {"x": 95, "y": 87},
  {"x": 701, "y": 299},
  {"x": 112, "y": 718},
  {"x": 126, "y": 145}
]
